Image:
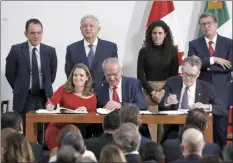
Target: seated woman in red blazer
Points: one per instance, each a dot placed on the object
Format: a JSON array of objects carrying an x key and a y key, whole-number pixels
[{"x": 74, "y": 94}]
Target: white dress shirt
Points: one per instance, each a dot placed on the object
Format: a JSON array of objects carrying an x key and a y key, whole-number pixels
[
  {"x": 213, "y": 45},
  {"x": 118, "y": 90},
  {"x": 87, "y": 48},
  {"x": 191, "y": 96},
  {"x": 38, "y": 62}
]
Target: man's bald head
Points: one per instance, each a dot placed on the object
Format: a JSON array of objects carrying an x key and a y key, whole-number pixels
[{"x": 192, "y": 142}]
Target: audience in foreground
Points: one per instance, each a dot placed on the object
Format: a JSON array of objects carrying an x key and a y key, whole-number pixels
[
  {"x": 130, "y": 113},
  {"x": 192, "y": 145},
  {"x": 152, "y": 152},
  {"x": 17, "y": 149},
  {"x": 70, "y": 135},
  {"x": 110, "y": 124},
  {"x": 127, "y": 138},
  {"x": 12, "y": 122},
  {"x": 196, "y": 118},
  {"x": 228, "y": 153},
  {"x": 67, "y": 154},
  {"x": 210, "y": 159},
  {"x": 111, "y": 153}
]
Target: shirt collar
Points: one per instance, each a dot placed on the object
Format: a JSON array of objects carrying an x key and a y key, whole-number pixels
[
  {"x": 119, "y": 84},
  {"x": 86, "y": 44},
  {"x": 191, "y": 88},
  {"x": 31, "y": 47},
  {"x": 214, "y": 39},
  {"x": 134, "y": 152}
]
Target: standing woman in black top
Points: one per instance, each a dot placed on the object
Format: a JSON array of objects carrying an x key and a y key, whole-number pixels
[{"x": 157, "y": 61}]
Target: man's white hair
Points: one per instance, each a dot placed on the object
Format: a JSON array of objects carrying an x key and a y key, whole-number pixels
[
  {"x": 112, "y": 60},
  {"x": 91, "y": 17}
]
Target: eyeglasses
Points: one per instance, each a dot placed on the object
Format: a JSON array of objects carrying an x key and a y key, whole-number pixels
[
  {"x": 113, "y": 74},
  {"x": 207, "y": 23},
  {"x": 191, "y": 76}
]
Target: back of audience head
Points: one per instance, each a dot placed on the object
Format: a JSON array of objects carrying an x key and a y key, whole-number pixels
[
  {"x": 185, "y": 128},
  {"x": 66, "y": 129},
  {"x": 111, "y": 153},
  {"x": 197, "y": 117},
  {"x": 228, "y": 153},
  {"x": 68, "y": 154},
  {"x": 5, "y": 133},
  {"x": 17, "y": 149},
  {"x": 12, "y": 120},
  {"x": 127, "y": 137},
  {"x": 88, "y": 159},
  {"x": 152, "y": 151},
  {"x": 74, "y": 140},
  {"x": 192, "y": 142},
  {"x": 210, "y": 159},
  {"x": 130, "y": 113},
  {"x": 111, "y": 121}
]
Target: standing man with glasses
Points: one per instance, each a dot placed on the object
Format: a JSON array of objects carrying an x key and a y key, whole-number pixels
[
  {"x": 91, "y": 50},
  {"x": 187, "y": 92},
  {"x": 31, "y": 69},
  {"x": 215, "y": 52},
  {"x": 118, "y": 89}
]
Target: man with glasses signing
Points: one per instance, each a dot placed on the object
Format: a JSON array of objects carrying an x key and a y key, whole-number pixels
[
  {"x": 118, "y": 89},
  {"x": 187, "y": 92},
  {"x": 215, "y": 52}
]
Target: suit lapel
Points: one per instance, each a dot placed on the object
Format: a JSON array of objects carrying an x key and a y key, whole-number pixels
[
  {"x": 198, "y": 94},
  {"x": 42, "y": 57},
  {"x": 219, "y": 46},
  {"x": 124, "y": 89},
  {"x": 97, "y": 53},
  {"x": 25, "y": 51},
  {"x": 204, "y": 46},
  {"x": 105, "y": 93},
  {"x": 81, "y": 52}
]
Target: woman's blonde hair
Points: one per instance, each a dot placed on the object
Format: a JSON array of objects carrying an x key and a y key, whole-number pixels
[
  {"x": 17, "y": 149},
  {"x": 111, "y": 153},
  {"x": 69, "y": 85}
]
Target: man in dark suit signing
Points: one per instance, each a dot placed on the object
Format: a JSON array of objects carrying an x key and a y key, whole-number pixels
[
  {"x": 30, "y": 70},
  {"x": 215, "y": 52},
  {"x": 91, "y": 50},
  {"x": 186, "y": 92},
  {"x": 110, "y": 124},
  {"x": 118, "y": 89}
]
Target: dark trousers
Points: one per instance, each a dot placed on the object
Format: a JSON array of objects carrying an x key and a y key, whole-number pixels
[
  {"x": 220, "y": 124},
  {"x": 34, "y": 102}
]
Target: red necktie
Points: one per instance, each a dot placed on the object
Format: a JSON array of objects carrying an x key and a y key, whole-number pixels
[
  {"x": 114, "y": 95},
  {"x": 211, "y": 49}
]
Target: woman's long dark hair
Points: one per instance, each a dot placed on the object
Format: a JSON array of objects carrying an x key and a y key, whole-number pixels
[{"x": 168, "y": 42}]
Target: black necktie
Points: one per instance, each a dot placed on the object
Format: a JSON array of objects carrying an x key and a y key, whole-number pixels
[{"x": 35, "y": 90}]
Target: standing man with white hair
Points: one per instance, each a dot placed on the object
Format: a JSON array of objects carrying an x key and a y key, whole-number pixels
[
  {"x": 91, "y": 50},
  {"x": 118, "y": 89}
]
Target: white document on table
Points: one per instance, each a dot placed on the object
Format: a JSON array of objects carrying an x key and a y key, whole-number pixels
[
  {"x": 45, "y": 111},
  {"x": 174, "y": 112},
  {"x": 103, "y": 111}
]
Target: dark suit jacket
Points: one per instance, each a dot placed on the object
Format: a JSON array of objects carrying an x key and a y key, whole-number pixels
[
  {"x": 205, "y": 93},
  {"x": 144, "y": 140},
  {"x": 75, "y": 53},
  {"x": 132, "y": 158},
  {"x": 96, "y": 144},
  {"x": 131, "y": 92},
  {"x": 214, "y": 74},
  {"x": 172, "y": 150},
  {"x": 37, "y": 151},
  {"x": 17, "y": 71},
  {"x": 190, "y": 158}
]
